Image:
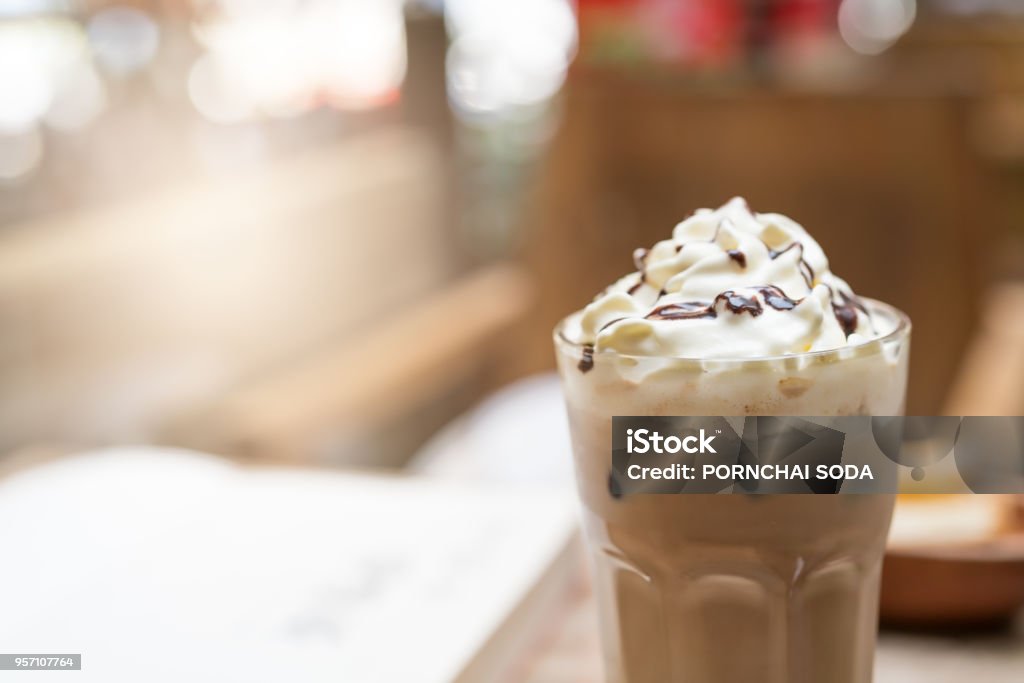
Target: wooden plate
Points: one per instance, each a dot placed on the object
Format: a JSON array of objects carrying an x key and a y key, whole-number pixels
[{"x": 961, "y": 584}]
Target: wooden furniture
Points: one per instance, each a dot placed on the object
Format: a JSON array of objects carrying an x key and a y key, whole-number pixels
[
  {"x": 991, "y": 377},
  {"x": 412, "y": 354}
]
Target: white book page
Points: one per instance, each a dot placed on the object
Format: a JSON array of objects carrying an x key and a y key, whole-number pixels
[{"x": 170, "y": 566}]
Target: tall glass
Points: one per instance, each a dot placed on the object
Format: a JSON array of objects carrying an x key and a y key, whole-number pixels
[{"x": 698, "y": 588}]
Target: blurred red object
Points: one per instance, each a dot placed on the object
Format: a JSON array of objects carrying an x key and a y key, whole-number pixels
[{"x": 696, "y": 33}]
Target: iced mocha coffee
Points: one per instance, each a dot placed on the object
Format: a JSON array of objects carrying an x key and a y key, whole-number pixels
[{"x": 737, "y": 313}]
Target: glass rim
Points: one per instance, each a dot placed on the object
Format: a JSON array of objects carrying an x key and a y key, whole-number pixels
[{"x": 902, "y": 329}]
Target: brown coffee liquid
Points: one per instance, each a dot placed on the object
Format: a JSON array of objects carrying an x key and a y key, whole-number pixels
[{"x": 730, "y": 588}]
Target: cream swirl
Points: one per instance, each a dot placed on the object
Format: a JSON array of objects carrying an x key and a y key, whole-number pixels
[{"x": 729, "y": 283}]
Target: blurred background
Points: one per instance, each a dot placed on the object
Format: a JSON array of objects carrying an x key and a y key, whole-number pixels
[
  {"x": 337, "y": 233},
  {"x": 256, "y": 227}
]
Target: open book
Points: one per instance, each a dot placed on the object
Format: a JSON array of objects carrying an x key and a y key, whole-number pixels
[{"x": 162, "y": 565}]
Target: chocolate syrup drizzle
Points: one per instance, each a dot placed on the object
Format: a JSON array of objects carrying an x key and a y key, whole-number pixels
[
  {"x": 738, "y": 256},
  {"x": 736, "y": 303},
  {"x": 855, "y": 301},
  {"x": 846, "y": 312},
  {"x": 805, "y": 268},
  {"x": 777, "y": 299},
  {"x": 847, "y": 317},
  {"x": 739, "y": 304},
  {"x": 640, "y": 261},
  {"x": 609, "y": 324},
  {"x": 688, "y": 310},
  {"x": 586, "y": 363}
]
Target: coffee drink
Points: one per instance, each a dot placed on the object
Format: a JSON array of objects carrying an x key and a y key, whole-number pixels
[{"x": 736, "y": 314}]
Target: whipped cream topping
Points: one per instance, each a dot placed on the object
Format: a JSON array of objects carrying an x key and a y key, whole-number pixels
[{"x": 729, "y": 283}]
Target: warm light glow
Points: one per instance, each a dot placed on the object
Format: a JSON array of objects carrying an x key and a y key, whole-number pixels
[
  {"x": 124, "y": 39},
  {"x": 20, "y": 153},
  {"x": 279, "y": 58},
  {"x": 872, "y": 26},
  {"x": 80, "y": 96},
  {"x": 360, "y": 54},
  {"x": 33, "y": 56},
  {"x": 213, "y": 95},
  {"x": 258, "y": 61},
  {"x": 507, "y": 55}
]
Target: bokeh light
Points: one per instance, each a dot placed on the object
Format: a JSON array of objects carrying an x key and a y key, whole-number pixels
[
  {"x": 78, "y": 98},
  {"x": 359, "y": 52},
  {"x": 872, "y": 26},
  {"x": 213, "y": 95},
  {"x": 20, "y": 153},
  {"x": 34, "y": 53},
  {"x": 282, "y": 58},
  {"x": 507, "y": 55},
  {"x": 124, "y": 39}
]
